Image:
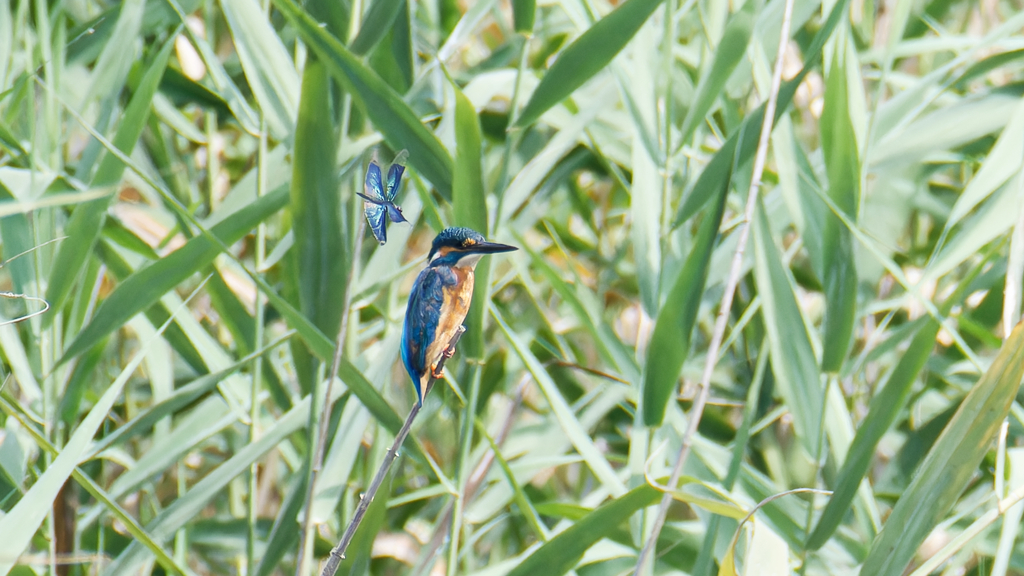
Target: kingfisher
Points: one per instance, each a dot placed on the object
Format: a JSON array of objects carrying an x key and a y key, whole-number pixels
[{"x": 439, "y": 301}]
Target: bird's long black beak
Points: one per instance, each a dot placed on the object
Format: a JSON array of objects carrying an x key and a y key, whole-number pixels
[{"x": 491, "y": 248}]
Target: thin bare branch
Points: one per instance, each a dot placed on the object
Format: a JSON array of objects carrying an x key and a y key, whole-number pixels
[
  {"x": 30, "y": 250},
  {"x": 46, "y": 306},
  {"x": 730, "y": 290}
]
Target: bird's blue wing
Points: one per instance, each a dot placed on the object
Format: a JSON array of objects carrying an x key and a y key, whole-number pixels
[
  {"x": 375, "y": 218},
  {"x": 421, "y": 319},
  {"x": 372, "y": 186},
  {"x": 395, "y": 172}
]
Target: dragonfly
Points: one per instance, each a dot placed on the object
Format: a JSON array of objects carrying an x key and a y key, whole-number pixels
[{"x": 379, "y": 198}]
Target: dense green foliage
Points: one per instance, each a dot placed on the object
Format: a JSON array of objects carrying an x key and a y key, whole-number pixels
[{"x": 177, "y": 184}]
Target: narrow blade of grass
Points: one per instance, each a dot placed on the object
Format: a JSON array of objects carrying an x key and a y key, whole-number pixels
[
  {"x": 284, "y": 535},
  {"x": 334, "y": 477},
  {"x": 378, "y": 20},
  {"x": 1011, "y": 521},
  {"x": 322, "y": 254},
  {"x": 701, "y": 494},
  {"x": 526, "y": 507},
  {"x": 582, "y": 441},
  {"x": 793, "y": 363},
  {"x": 220, "y": 78},
  {"x": 469, "y": 205},
  {"x": 16, "y": 235},
  {"x": 885, "y": 405},
  {"x": 951, "y": 462},
  {"x": 670, "y": 341},
  {"x": 993, "y": 218},
  {"x": 728, "y": 54},
  {"x": 523, "y": 14},
  {"x": 267, "y": 64},
  {"x": 1002, "y": 162},
  {"x": 157, "y": 313},
  {"x": 839, "y": 144},
  {"x": 986, "y": 65},
  {"x": 947, "y": 128},
  {"x": 743, "y": 141},
  {"x": 586, "y": 56},
  {"x": 6, "y": 43},
  {"x": 114, "y": 62},
  {"x": 560, "y": 554},
  {"x": 385, "y": 108},
  {"x": 144, "y": 287},
  {"x": 646, "y": 187},
  {"x": 87, "y": 219}
]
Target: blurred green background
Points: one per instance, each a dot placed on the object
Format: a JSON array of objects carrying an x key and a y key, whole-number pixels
[{"x": 177, "y": 184}]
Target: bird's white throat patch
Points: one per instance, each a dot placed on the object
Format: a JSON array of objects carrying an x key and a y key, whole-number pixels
[{"x": 469, "y": 260}]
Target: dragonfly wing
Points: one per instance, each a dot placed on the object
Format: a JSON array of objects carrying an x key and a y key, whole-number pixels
[
  {"x": 372, "y": 187},
  {"x": 375, "y": 218},
  {"x": 395, "y": 212},
  {"x": 394, "y": 180}
]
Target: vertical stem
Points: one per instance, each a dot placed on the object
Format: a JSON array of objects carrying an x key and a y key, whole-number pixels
[
  {"x": 257, "y": 363},
  {"x": 210, "y": 124},
  {"x": 51, "y": 146},
  {"x": 463, "y": 471},
  {"x": 511, "y": 138},
  {"x": 668, "y": 41},
  {"x": 730, "y": 290},
  {"x": 212, "y": 162},
  {"x": 181, "y": 536},
  {"x": 46, "y": 152}
]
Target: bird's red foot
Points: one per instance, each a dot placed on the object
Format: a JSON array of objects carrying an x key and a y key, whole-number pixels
[
  {"x": 436, "y": 374},
  {"x": 449, "y": 352}
]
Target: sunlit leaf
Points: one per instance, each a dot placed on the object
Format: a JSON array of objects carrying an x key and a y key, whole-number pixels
[
  {"x": 793, "y": 362},
  {"x": 560, "y": 554},
  {"x": 87, "y": 219},
  {"x": 587, "y": 56},
  {"x": 951, "y": 462},
  {"x": 383, "y": 106},
  {"x": 670, "y": 342},
  {"x": 839, "y": 145}
]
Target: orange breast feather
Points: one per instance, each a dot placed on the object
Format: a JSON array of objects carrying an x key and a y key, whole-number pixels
[{"x": 456, "y": 305}]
